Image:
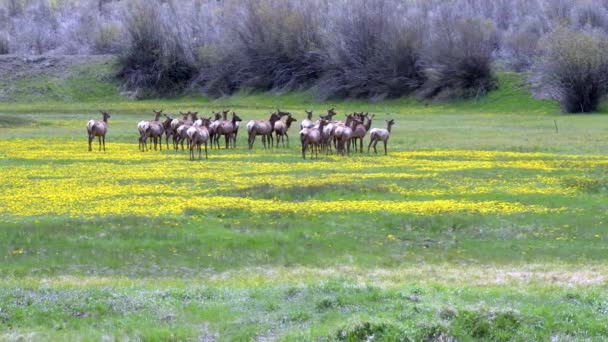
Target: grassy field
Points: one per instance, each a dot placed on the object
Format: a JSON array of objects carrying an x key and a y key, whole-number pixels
[{"x": 484, "y": 222}]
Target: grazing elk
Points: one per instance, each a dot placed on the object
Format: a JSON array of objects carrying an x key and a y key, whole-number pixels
[
  {"x": 227, "y": 129},
  {"x": 380, "y": 134},
  {"x": 263, "y": 128},
  {"x": 281, "y": 128},
  {"x": 198, "y": 135},
  {"x": 311, "y": 138},
  {"x": 98, "y": 129}
]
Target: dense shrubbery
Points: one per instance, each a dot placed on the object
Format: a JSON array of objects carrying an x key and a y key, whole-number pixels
[{"x": 349, "y": 49}]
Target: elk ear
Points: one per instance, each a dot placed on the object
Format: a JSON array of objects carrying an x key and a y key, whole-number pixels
[{"x": 101, "y": 111}]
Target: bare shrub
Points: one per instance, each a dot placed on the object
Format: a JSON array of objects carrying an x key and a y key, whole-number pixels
[
  {"x": 519, "y": 46},
  {"x": 573, "y": 69},
  {"x": 275, "y": 45},
  {"x": 4, "y": 43},
  {"x": 157, "y": 58},
  {"x": 372, "y": 53},
  {"x": 458, "y": 58}
]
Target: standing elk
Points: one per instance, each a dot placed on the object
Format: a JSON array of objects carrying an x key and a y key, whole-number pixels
[
  {"x": 342, "y": 135},
  {"x": 98, "y": 129},
  {"x": 167, "y": 128},
  {"x": 155, "y": 131},
  {"x": 311, "y": 139},
  {"x": 263, "y": 128},
  {"x": 360, "y": 130},
  {"x": 198, "y": 135},
  {"x": 380, "y": 134},
  {"x": 307, "y": 123},
  {"x": 281, "y": 128},
  {"x": 180, "y": 132},
  {"x": 142, "y": 127},
  {"x": 228, "y": 129}
]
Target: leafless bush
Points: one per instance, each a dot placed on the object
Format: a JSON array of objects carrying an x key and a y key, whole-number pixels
[
  {"x": 458, "y": 58},
  {"x": 4, "y": 50},
  {"x": 372, "y": 52},
  {"x": 157, "y": 58},
  {"x": 573, "y": 69},
  {"x": 274, "y": 45}
]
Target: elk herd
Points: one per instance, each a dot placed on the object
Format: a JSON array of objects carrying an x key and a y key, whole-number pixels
[{"x": 324, "y": 135}]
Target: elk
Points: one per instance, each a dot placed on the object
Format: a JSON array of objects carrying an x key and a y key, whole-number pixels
[
  {"x": 311, "y": 138},
  {"x": 282, "y": 114},
  {"x": 168, "y": 129},
  {"x": 142, "y": 126},
  {"x": 227, "y": 129},
  {"x": 198, "y": 135},
  {"x": 180, "y": 132},
  {"x": 175, "y": 124},
  {"x": 343, "y": 133},
  {"x": 307, "y": 123},
  {"x": 213, "y": 128},
  {"x": 155, "y": 130},
  {"x": 281, "y": 128},
  {"x": 98, "y": 129},
  {"x": 360, "y": 130},
  {"x": 330, "y": 114},
  {"x": 380, "y": 134},
  {"x": 263, "y": 128}
]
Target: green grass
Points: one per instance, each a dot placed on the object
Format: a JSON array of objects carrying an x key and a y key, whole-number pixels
[{"x": 204, "y": 274}]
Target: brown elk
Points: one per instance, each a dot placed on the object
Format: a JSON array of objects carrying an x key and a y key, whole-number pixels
[
  {"x": 311, "y": 138},
  {"x": 175, "y": 124},
  {"x": 380, "y": 134},
  {"x": 213, "y": 127},
  {"x": 198, "y": 135},
  {"x": 343, "y": 133},
  {"x": 227, "y": 129},
  {"x": 155, "y": 130},
  {"x": 281, "y": 128},
  {"x": 98, "y": 129},
  {"x": 180, "y": 132},
  {"x": 142, "y": 127},
  {"x": 263, "y": 128},
  {"x": 330, "y": 114},
  {"x": 307, "y": 123},
  {"x": 360, "y": 130},
  {"x": 167, "y": 128}
]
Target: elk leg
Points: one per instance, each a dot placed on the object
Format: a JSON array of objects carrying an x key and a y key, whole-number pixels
[
  {"x": 206, "y": 156},
  {"x": 90, "y": 141},
  {"x": 385, "y": 153}
]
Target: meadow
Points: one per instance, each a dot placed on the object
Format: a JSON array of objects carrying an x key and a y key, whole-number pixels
[{"x": 487, "y": 220}]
